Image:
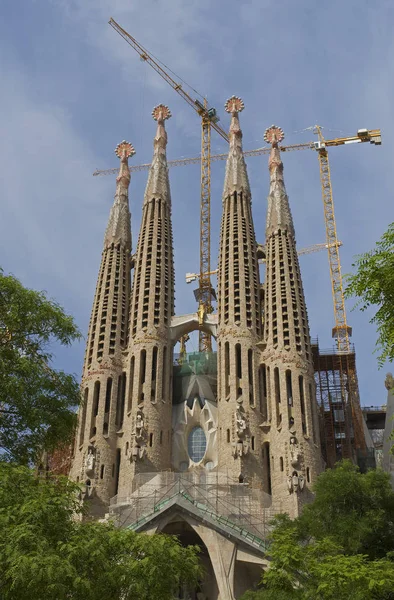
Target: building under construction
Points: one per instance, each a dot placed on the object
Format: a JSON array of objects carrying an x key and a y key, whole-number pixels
[{"x": 209, "y": 446}]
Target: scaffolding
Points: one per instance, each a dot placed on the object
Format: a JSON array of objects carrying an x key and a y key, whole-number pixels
[
  {"x": 341, "y": 421},
  {"x": 243, "y": 509}
]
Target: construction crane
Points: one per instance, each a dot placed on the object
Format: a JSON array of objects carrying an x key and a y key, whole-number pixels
[
  {"x": 341, "y": 331},
  {"x": 190, "y": 277},
  {"x": 209, "y": 120}
]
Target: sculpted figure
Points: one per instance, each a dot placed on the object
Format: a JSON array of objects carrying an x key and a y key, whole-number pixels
[
  {"x": 389, "y": 381},
  {"x": 294, "y": 452},
  {"x": 90, "y": 461},
  {"x": 241, "y": 422}
]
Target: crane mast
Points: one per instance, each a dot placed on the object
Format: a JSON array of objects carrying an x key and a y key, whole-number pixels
[
  {"x": 341, "y": 331},
  {"x": 205, "y": 285}
]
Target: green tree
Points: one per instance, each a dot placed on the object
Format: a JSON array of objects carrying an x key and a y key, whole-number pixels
[
  {"x": 46, "y": 554},
  {"x": 373, "y": 285},
  {"x": 340, "y": 547},
  {"x": 36, "y": 400}
]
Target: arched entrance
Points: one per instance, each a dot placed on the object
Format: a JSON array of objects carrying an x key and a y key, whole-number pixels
[{"x": 207, "y": 588}]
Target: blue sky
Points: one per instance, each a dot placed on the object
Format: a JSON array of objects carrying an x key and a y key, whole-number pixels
[{"x": 71, "y": 89}]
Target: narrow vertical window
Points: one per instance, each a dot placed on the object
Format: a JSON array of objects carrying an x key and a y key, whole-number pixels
[
  {"x": 131, "y": 384},
  {"x": 83, "y": 416},
  {"x": 120, "y": 400},
  {"x": 95, "y": 408},
  {"x": 302, "y": 399},
  {"x": 143, "y": 366},
  {"x": 250, "y": 373},
  {"x": 277, "y": 397},
  {"x": 227, "y": 368},
  {"x": 263, "y": 392},
  {"x": 238, "y": 361},
  {"x": 302, "y": 404},
  {"x": 267, "y": 468},
  {"x": 228, "y": 436},
  {"x": 164, "y": 390},
  {"x": 154, "y": 363},
  {"x": 117, "y": 470},
  {"x": 281, "y": 463},
  {"x": 151, "y": 439},
  {"x": 102, "y": 472},
  {"x": 308, "y": 477},
  {"x": 252, "y": 442},
  {"x": 96, "y": 398},
  {"x": 289, "y": 388},
  {"x": 108, "y": 395}
]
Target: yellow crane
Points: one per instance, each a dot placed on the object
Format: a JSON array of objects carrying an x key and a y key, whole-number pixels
[
  {"x": 209, "y": 120},
  {"x": 341, "y": 332}
]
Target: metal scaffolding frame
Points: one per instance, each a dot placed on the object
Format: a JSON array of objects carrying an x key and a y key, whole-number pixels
[
  {"x": 337, "y": 393},
  {"x": 243, "y": 508}
]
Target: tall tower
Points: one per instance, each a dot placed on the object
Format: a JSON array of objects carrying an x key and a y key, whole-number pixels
[
  {"x": 102, "y": 379},
  {"x": 239, "y": 318},
  {"x": 146, "y": 442},
  {"x": 292, "y": 454}
]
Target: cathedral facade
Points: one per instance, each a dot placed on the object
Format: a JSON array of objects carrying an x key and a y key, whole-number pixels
[{"x": 211, "y": 450}]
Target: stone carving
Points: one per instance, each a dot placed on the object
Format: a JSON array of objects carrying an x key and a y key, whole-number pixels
[
  {"x": 201, "y": 314},
  {"x": 295, "y": 483},
  {"x": 87, "y": 491},
  {"x": 240, "y": 448},
  {"x": 140, "y": 432},
  {"x": 389, "y": 381},
  {"x": 138, "y": 449},
  {"x": 295, "y": 453},
  {"x": 137, "y": 452},
  {"x": 240, "y": 419},
  {"x": 90, "y": 461}
]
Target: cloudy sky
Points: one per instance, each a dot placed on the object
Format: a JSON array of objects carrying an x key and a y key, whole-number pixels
[{"x": 71, "y": 89}]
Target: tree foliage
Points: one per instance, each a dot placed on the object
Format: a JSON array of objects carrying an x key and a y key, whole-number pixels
[
  {"x": 341, "y": 546},
  {"x": 46, "y": 553},
  {"x": 36, "y": 400},
  {"x": 373, "y": 285}
]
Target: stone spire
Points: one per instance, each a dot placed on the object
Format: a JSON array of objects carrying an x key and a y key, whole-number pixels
[
  {"x": 158, "y": 185},
  {"x": 239, "y": 318},
  {"x": 279, "y": 214},
  {"x": 103, "y": 379},
  {"x": 236, "y": 178},
  {"x": 147, "y": 420},
  {"x": 118, "y": 228},
  {"x": 287, "y": 358}
]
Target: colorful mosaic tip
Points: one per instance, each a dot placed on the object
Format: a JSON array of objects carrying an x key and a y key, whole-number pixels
[
  {"x": 234, "y": 104},
  {"x": 274, "y": 134},
  {"x": 161, "y": 112},
  {"x": 124, "y": 150}
]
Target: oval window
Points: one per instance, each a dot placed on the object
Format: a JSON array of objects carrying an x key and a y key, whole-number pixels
[{"x": 197, "y": 444}]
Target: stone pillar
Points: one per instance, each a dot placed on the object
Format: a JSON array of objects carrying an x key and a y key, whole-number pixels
[
  {"x": 292, "y": 440},
  {"x": 239, "y": 319},
  {"x": 146, "y": 443},
  {"x": 95, "y": 458}
]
